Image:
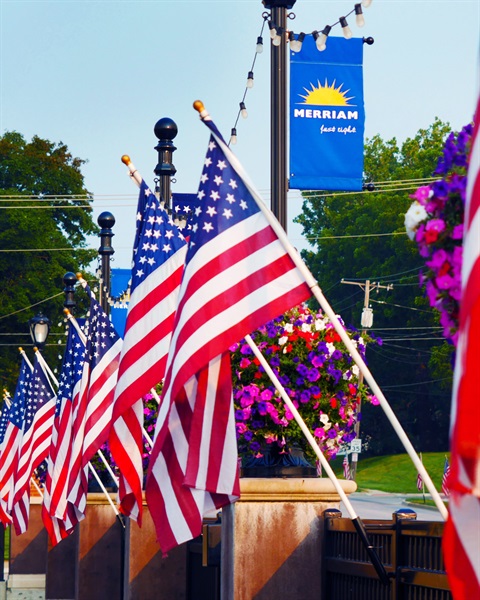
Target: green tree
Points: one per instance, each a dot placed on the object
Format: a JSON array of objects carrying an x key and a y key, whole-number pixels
[
  {"x": 45, "y": 218},
  {"x": 344, "y": 232}
]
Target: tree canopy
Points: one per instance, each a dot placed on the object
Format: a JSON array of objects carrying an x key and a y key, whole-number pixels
[
  {"x": 360, "y": 236},
  {"x": 45, "y": 218}
]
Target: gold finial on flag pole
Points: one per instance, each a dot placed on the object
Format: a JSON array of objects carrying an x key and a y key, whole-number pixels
[
  {"x": 134, "y": 174},
  {"x": 200, "y": 108}
]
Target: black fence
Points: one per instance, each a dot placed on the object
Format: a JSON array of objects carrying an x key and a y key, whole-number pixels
[{"x": 410, "y": 550}]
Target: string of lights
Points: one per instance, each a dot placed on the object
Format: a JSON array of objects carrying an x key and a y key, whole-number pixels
[{"x": 277, "y": 35}]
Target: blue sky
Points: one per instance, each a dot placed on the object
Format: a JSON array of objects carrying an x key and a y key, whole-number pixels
[{"x": 97, "y": 75}]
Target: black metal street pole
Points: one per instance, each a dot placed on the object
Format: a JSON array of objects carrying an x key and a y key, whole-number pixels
[
  {"x": 106, "y": 221},
  {"x": 278, "y": 107},
  {"x": 165, "y": 129}
]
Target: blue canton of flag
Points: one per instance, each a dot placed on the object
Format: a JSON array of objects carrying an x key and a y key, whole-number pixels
[
  {"x": 17, "y": 410},
  {"x": 4, "y": 420},
  {"x": 157, "y": 237},
  {"x": 72, "y": 366},
  {"x": 224, "y": 199},
  {"x": 39, "y": 393},
  {"x": 183, "y": 207}
]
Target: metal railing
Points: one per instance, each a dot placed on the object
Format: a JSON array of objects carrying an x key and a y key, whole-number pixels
[{"x": 410, "y": 550}]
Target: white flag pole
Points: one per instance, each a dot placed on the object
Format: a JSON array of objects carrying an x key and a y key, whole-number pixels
[
  {"x": 357, "y": 522},
  {"x": 134, "y": 174},
  {"x": 301, "y": 423},
  {"x": 327, "y": 309}
]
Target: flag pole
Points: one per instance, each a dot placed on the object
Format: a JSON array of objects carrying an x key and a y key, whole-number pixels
[
  {"x": 357, "y": 522},
  {"x": 327, "y": 309}
]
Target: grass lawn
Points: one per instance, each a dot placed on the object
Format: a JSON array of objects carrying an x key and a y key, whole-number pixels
[{"x": 395, "y": 473}]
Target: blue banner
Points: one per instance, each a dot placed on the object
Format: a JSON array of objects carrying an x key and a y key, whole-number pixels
[{"x": 327, "y": 116}]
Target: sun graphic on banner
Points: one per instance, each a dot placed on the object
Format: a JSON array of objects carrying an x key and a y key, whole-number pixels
[{"x": 326, "y": 95}]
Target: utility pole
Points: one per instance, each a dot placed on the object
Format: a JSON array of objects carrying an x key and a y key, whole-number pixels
[{"x": 366, "y": 322}]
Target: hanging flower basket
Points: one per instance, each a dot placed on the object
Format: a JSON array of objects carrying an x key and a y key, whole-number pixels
[{"x": 435, "y": 222}]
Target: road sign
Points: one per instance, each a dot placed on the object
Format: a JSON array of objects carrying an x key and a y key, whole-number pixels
[{"x": 356, "y": 445}]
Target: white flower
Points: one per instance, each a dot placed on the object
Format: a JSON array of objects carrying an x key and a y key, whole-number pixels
[
  {"x": 283, "y": 340},
  {"x": 355, "y": 370},
  {"x": 289, "y": 327},
  {"x": 320, "y": 324},
  {"x": 413, "y": 217},
  {"x": 331, "y": 347},
  {"x": 324, "y": 419},
  {"x": 306, "y": 327}
]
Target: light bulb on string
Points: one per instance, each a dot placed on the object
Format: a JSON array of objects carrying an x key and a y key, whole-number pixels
[
  {"x": 259, "y": 48},
  {"x": 296, "y": 44},
  {"x": 359, "y": 18},
  {"x": 277, "y": 40},
  {"x": 243, "y": 110},
  {"x": 250, "y": 80},
  {"x": 347, "y": 32},
  {"x": 233, "y": 136},
  {"x": 321, "y": 38},
  {"x": 273, "y": 29}
]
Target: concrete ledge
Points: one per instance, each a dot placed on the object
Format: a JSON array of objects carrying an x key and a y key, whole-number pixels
[
  {"x": 258, "y": 489},
  {"x": 35, "y": 581}
]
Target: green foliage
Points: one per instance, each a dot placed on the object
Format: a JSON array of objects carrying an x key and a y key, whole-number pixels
[
  {"x": 40, "y": 209},
  {"x": 343, "y": 230}
]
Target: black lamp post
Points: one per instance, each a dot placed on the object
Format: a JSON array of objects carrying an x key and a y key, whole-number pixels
[
  {"x": 39, "y": 330},
  {"x": 106, "y": 221},
  {"x": 278, "y": 120},
  {"x": 165, "y": 129},
  {"x": 69, "y": 279}
]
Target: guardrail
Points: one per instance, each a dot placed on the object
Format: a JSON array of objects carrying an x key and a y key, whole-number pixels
[{"x": 410, "y": 550}]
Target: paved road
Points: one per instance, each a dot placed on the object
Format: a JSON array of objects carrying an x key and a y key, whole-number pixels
[{"x": 372, "y": 505}]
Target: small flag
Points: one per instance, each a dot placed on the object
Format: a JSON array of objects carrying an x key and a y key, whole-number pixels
[
  {"x": 346, "y": 467},
  {"x": 318, "y": 465},
  {"x": 419, "y": 482},
  {"x": 446, "y": 474}
]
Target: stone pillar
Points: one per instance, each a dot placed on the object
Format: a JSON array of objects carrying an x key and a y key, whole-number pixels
[
  {"x": 272, "y": 538},
  {"x": 28, "y": 555},
  {"x": 151, "y": 576}
]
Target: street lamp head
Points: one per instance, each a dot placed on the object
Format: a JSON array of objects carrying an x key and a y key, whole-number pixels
[{"x": 39, "y": 329}]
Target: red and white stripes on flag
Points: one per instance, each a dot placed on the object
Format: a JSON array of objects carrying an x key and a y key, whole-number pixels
[
  {"x": 238, "y": 276},
  {"x": 346, "y": 467},
  {"x": 461, "y": 541},
  {"x": 10, "y": 448},
  {"x": 92, "y": 411},
  {"x": 158, "y": 260},
  {"x": 445, "y": 478},
  {"x": 58, "y": 516},
  {"x": 36, "y": 439}
]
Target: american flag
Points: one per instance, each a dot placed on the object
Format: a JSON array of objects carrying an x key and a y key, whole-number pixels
[
  {"x": 419, "y": 482},
  {"x": 158, "y": 260},
  {"x": 36, "y": 439},
  {"x": 93, "y": 407},
  {"x": 9, "y": 450},
  {"x": 445, "y": 476},
  {"x": 58, "y": 517},
  {"x": 238, "y": 276},
  {"x": 461, "y": 542},
  {"x": 346, "y": 467}
]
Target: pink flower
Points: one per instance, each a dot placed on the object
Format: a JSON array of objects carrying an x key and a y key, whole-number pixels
[
  {"x": 422, "y": 194},
  {"x": 457, "y": 233},
  {"x": 374, "y": 400}
]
